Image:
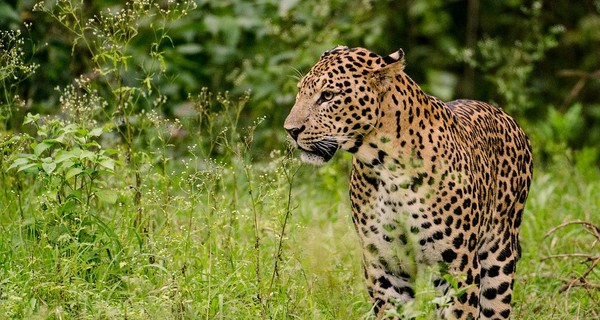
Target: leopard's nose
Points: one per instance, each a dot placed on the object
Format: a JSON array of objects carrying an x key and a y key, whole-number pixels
[{"x": 294, "y": 132}]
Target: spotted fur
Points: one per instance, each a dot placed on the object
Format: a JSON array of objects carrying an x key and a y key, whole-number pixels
[{"x": 433, "y": 183}]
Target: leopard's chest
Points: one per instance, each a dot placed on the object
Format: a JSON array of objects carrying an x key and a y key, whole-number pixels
[{"x": 397, "y": 220}]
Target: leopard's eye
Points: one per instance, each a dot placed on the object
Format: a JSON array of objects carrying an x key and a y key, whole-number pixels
[{"x": 326, "y": 96}]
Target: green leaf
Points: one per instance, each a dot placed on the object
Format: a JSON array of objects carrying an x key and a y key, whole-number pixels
[
  {"x": 82, "y": 132},
  {"x": 90, "y": 145},
  {"x": 62, "y": 155},
  {"x": 86, "y": 154},
  {"x": 111, "y": 151},
  {"x": 108, "y": 163},
  {"x": 31, "y": 118},
  {"x": 68, "y": 206},
  {"x": 52, "y": 141},
  {"x": 49, "y": 167},
  {"x": 107, "y": 195},
  {"x": 40, "y": 147},
  {"x": 18, "y": 163},
  {"x": 27, "y": 166},
  {"x": 73, "y": 172},
  {"x": 70, "y": 128},
  {"x": 97, "y": 132}
]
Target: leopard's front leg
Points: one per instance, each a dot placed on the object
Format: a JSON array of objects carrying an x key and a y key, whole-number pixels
[
  {"x": 388, "y": 261},
  {"x": 388, "y": 290}
]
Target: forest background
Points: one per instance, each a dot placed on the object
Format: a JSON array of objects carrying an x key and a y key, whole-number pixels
[{"x": 145, "y": 171}]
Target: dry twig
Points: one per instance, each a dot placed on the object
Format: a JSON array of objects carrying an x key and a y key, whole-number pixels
[{"x": 581, "y": 281}]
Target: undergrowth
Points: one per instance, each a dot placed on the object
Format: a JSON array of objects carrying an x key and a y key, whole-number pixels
[{"x": 110, "y": 210}]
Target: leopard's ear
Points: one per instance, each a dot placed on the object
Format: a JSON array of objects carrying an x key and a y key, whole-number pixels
[
  {"x": 382, "y": 78},
  {"x": 395, "y": 57}
]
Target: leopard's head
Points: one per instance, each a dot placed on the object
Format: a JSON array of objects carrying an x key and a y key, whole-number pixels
[{"x": 338, "y": 102}]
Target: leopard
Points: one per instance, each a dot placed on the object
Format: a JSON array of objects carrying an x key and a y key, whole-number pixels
[{"x": 433, "y": 184}]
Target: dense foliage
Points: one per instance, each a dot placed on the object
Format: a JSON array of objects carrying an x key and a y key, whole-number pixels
[{"x": 144, "y": 171}]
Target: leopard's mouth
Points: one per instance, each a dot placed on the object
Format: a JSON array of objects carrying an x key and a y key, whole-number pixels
[{"x": 320, "y": 153}]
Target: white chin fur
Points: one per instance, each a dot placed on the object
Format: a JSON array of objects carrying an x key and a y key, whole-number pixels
[{"x": 312, "y": 159}]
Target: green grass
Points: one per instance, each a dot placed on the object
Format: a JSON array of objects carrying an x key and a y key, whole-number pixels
[
  {"x": 560, "y": 193},
  {"x": 210, "y": 238}
]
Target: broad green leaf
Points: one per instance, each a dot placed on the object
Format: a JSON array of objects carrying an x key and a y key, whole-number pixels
[
  {"x": 61, "y": 138},
  {"x": 18, "y": 162},
  {"x": 69, "y": 128},
  {"x": 63, "y": 155},
  {"x": 27, "y": 166},
  {"x": 40, "y": 147},
  {"x": 73, "y": 172},
  {"x": 82, "y": 132},
  {"x": 85, "y": 154},
  {"x": 67, "y": 163},
  {"x": 49, "y": 167},
  {"x": 107, "y": 195},
  {"x": 108, "y": 163}
]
